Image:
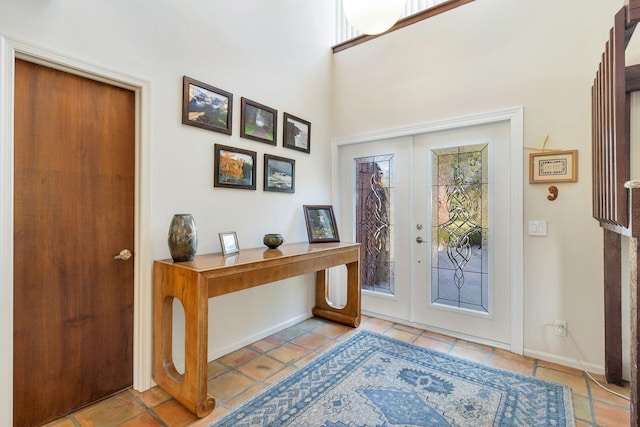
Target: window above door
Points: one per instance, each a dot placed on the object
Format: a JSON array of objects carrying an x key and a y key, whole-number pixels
[{"x": 415, "y": 11}]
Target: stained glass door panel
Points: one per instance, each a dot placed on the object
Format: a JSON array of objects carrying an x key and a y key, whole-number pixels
[
  {"x": 460, "y": 227},
  {"x": 461, "y": 194},
  {"x": 374, "y": 180},
  {"x": 374, "y": 221}
]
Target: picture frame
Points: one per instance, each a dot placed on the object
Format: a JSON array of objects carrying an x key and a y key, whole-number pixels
[
  {"x": 279, "y": 174},
  {"x": 229, "y": 243},
  {"x": 296, "y": 134},
  {"x": 206, "y": 106},
  {"x": 321, "y": 223},
  {"x": 258, "y": 122},
  {"x": 234, "y": 168},
  {"x": 553, "y": 166}
]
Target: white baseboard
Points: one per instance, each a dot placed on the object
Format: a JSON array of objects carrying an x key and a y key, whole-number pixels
[
  {"x": 257, "y": 337},
  {"x": 246, "y": 341},
  {"x": 250, "y": 339},
  {"x": 548, "y": 357},
  {"x": 565, "y": 361},
  {"x": 441, "y": 331}
]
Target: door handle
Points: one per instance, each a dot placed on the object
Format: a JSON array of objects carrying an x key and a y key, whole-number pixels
[
  {"x": 124, "y": 255},
  {"x": 419, "y": 239}
]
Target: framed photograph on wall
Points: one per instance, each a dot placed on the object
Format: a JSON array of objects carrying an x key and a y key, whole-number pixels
[
  {"x": 279, "y": 174},
  {"x": 553, "y": 166},
  {"x": 234, "y": 168},
  {"x": 229, "y": 243},
  {"x": 258, "y": 122},
  {"x": 206, "y": 107},
  {"x": 321, "y": 223},
  {"x": 296, "y": 134}
]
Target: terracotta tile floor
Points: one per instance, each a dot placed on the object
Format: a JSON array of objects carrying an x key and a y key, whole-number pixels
[{"x": 240, "y": 375}]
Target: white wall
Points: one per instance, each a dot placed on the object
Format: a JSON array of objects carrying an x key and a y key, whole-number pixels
[
  {"x": 275, "y": 53},
  {"x": 484, "y": 56},
  {"x": 495, "y": 54}
]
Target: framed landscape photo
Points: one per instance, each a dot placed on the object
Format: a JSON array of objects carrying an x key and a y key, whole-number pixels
[
  {"x": 234, "y": 168},
  {"x": 258, "y": 122},
  {"x": 321, "y": 223},
  {"x": 297, "y": 133},
  {"x": 279, "y": 174},
  {"x": 553, "y": 166},
  {"x": 229, "y": 243},
  {"x": 206, "y": 107}
]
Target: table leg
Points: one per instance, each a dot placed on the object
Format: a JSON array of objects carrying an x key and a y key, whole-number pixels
[
  {"x": 349, "y": 314},
  {"x": 189, "y": 388}
]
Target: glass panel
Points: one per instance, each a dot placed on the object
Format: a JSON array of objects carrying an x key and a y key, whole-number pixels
[
  {"x": 374, "y": 194},
  {"x": 344, "y": 30},
  {"x": 460, "y": 204}
]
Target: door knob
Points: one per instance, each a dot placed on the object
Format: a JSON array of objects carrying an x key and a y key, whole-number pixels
[
  {"x": 124, "y": 255},
  {"x": 419, "y": 239}
]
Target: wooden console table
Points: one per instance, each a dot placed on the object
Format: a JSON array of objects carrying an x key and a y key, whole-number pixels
[{"x": 207, "y": 276}]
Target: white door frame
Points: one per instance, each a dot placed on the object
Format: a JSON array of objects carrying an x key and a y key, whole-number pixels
[
  {"x": 142, "y": 319},
  {"x": 515, "y": 117}
]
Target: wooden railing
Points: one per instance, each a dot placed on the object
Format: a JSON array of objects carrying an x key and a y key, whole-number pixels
[
  {"x": 437, "y": 9},
  {"x": 616, "y": 205},
  {"x": 610, "y": 135},
  {"x": 633, "y": 11}
]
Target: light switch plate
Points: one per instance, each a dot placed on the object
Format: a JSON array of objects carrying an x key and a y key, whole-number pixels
[{"x": 537, "y": 228}]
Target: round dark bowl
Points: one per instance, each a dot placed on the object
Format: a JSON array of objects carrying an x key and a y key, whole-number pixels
[{"x": 272, "y": 240}]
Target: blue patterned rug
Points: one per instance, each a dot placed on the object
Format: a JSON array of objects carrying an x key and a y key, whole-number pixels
[{"x": 371, "y": 380}]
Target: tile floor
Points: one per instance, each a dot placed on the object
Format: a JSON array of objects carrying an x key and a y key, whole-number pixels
[{"x": 239, "y": 375}]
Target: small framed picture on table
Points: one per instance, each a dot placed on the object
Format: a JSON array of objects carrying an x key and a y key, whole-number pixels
[
  {"x": 321, "y": 223},
  {"x": 229, "y": 243}
]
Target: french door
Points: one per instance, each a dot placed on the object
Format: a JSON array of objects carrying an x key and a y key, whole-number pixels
[
  {"x": 432, "y": 214},
  {"x": 375, "y": 201},
  {"x": 461, "y": 203}
]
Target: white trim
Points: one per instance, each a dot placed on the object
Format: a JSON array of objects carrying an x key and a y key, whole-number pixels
[
  {"x": 517, "y": 230},
  {"x": 245, "y": 341},
  {"x": 565, "y": 361},
  {"x": 452, "y": 334},
  {"x": 515, "y": 116},
  {"x": 9, "y": 51},
  {"x": 6, "y": 233},
  {"x": 511, "y": 114},
  {"x": 412, "y": 220}
]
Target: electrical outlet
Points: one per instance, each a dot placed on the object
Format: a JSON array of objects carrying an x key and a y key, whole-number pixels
[{"x": 560, "y": 328}]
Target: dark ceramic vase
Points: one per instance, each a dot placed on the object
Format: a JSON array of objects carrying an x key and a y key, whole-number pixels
[
  {"x": 183, "y": 238},
  {"x": 272, "y": 240}
]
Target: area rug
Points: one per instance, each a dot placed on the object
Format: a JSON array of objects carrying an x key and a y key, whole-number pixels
[{"x": 372, "y": 380}]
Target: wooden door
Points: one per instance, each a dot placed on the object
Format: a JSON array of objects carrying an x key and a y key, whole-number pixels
[{"x": 74, "y": 211}]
